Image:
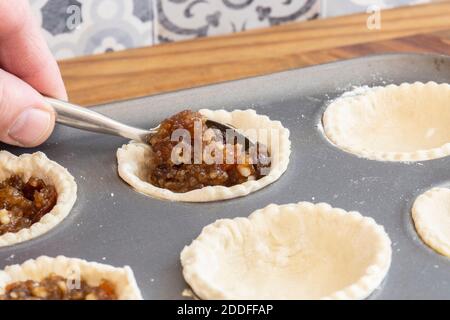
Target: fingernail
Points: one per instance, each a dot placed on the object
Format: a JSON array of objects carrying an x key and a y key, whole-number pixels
[{"x": 30, "y": 126}]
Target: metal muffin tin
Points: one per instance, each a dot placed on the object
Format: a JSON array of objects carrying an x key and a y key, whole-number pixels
[{"x": 113, "y": 224}]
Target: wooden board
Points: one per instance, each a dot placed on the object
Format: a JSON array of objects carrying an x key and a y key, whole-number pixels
[{"x": 139, "y": 72}]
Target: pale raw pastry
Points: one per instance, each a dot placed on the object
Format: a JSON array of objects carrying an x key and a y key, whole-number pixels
[
  {"x": 39, "y": 166},
  {"x": 406, "y": 123},
  {"x": 133, "y": 160},
  {"x": 294, "y": 251},
  {"x": 431, "y": 215},
  {"x": 73, "y": 269}
]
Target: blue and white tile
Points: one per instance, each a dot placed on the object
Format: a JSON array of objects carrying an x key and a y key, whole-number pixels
[
  {"x": 186, "y": 19},
  {"x": 83, "y": 27},
  {"x": 331, "y": 8}
]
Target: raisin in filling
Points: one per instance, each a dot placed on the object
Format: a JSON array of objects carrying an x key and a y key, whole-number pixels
[
  {"x": 55, "y": 287},
  {"x": 24, "y": 203},
  {"x": 195, "y": 174}
]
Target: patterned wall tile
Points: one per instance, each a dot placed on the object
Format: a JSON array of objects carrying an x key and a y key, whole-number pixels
[
  {"x": 82, "y": 27},
  {"x": 186, "y": 19},
  {"x": 331, "y": 8}
]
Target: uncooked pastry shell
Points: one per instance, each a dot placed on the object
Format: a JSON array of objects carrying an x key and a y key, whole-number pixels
[
  {"x": 73, "y": 268},
  {"x": 393, "y": 123},
  {"x": 39, "y": 166},
  {"x": 133, "y": 160},
  {"x": 294, "y": 251},
  {"x": 431, "y": 215}
]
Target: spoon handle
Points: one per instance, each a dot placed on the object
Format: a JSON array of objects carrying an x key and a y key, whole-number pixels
[{"x": 82, "y": 118}]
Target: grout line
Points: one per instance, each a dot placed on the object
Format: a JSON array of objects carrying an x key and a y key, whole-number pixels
[
  {"x": 323, "y": 9},
  {"x": 155, "y": 22}
]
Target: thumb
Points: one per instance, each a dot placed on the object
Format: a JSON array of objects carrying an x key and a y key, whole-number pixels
[{"x": 25, "y": 119}]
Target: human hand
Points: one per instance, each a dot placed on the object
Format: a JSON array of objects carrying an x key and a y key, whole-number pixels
[{"x": 26, "y": 68}]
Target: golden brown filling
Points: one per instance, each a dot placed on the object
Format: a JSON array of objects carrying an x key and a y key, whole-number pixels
[
  {"x": 58, "y": 288},
  {"x": 196, "y": 174},
  {"x": 23, "y": 204}
]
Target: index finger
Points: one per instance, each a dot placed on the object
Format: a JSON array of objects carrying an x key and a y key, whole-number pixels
[{"x": 24, "y": 52}]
